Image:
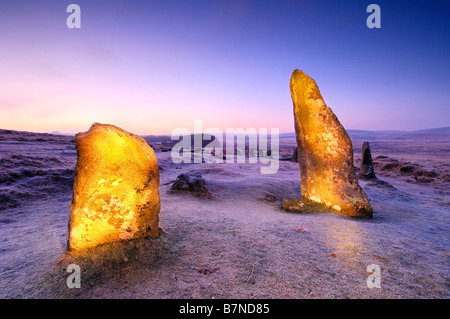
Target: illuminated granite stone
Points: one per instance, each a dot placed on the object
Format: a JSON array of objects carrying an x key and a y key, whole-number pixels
[
  {"x": 115, "y": 195},
  {"x": 325, "y": 152}
]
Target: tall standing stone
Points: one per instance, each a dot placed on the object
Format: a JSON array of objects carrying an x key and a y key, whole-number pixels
[
  {"x": 367, "y": 170},
  {"x": 325, "y": 152},
  {"x": 115, "y": 195}
]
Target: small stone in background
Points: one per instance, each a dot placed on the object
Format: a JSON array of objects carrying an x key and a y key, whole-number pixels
[
  {"x": 191, "y": 183},
  {"x": 294, "y": 157},
  {"x": 366, "y": 169}
]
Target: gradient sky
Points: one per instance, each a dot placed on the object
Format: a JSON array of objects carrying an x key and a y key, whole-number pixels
[{"x": 152, "y": 66}]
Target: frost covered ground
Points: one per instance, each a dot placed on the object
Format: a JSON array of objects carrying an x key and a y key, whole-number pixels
[{"x": 237, "y": 244}]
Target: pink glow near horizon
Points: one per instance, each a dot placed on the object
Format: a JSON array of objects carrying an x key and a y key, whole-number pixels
[{"x": 150, "y": 67}]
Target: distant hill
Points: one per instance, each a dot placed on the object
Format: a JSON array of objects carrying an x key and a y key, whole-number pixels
[
  {"x": 435, "y": 134},
  {"x": 440, "y": 134},
  {"x": 156, "y": 138}
]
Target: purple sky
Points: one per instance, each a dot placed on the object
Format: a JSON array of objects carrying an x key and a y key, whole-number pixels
[{"x": 152, "y": 66}]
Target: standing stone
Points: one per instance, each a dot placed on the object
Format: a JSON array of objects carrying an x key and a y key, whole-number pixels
[
  {"x": 325, "y": 152},
  {"x": 115, "y": 195},
  {"x": 294, "y": 157},
  {"x": 366, "y": 169}
]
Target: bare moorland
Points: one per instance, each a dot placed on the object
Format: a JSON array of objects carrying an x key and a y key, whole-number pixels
[{"x": 237, "y": 243}]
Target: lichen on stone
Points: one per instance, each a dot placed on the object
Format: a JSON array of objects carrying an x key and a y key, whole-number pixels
[
  {"x": 325, "y": 152},
  {"x": 116, "y": 195}
]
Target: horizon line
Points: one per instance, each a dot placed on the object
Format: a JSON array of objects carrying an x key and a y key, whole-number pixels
[{"x": 286, "y": 133}]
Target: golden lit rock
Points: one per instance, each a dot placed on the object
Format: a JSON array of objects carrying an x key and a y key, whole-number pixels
[
  {"x": 325, "y": 152},
  {"x": 115, "y": 195}
]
